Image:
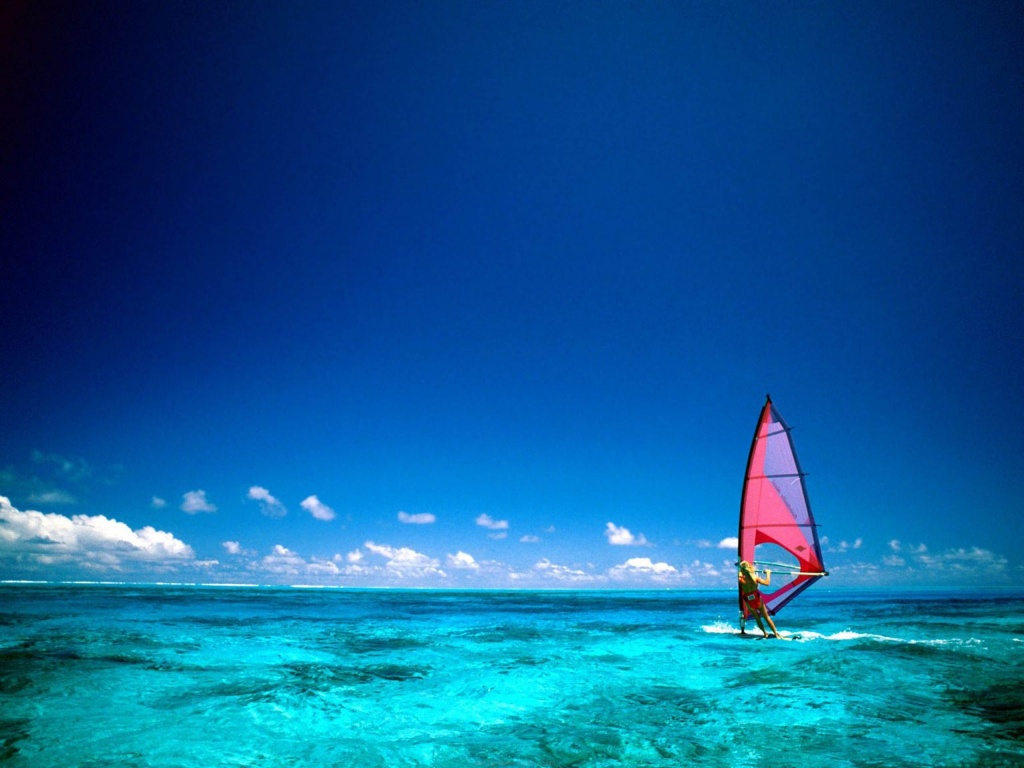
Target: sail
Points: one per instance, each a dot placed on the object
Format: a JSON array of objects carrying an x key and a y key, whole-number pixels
[{"x": 775, "y": 516}]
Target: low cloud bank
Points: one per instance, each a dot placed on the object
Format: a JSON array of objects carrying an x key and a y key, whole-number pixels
[{"x": 93, "y": 542}]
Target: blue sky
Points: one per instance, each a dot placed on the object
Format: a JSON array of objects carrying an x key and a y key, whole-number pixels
[{"x": 490, "y": 294}]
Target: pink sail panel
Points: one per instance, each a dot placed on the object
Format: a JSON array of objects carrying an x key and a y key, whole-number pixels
[{"x": 775, "y": 510}]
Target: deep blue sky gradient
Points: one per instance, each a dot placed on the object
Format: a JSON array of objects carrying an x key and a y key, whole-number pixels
[{"x": 539, "y": 261}]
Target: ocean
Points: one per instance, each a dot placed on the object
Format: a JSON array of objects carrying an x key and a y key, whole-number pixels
[{"x": 187, "y": 676}]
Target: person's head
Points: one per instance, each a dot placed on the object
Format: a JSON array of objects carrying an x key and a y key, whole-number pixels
[{"x": 746, "y": 567}]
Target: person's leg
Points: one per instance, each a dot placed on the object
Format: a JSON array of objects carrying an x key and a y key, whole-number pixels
[
  {"x": 757, "y": 618},
  {"x": 768, "y": 618}
]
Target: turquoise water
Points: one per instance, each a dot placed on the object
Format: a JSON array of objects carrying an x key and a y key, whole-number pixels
[{"x": 212, "y": 676}]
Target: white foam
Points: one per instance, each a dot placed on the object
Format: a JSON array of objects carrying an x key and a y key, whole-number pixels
[{"x": 722, "y": 628}]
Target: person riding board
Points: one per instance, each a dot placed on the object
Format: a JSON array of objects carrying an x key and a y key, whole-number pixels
[{"x": 751, "y": 597}]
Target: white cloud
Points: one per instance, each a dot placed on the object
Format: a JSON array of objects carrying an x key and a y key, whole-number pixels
[
  {"x": 643, "y": 568},
  {"x": 420, "y": 518},
  {"x": 463, "y": 561},
  {"x": 405, "y": 560},
  {"x": 158, "y": 503},
  {"x": 529, "y": 539},
  {"x": 729, "y": 542},
  {"x": 355, "y": 556},
  {"x": 320, "y": 567},
  {"x": 972, "y": 559},
  {"x": 964, "y": 565},
  {"x": 236, "y": 548},
  {"x": 269, "y": 506},
  {"x": 194, "y": 502},
  {"x": 317, "y": 508},
  {"x": 283, "y": 561},
  {"x": 705, "y": 573},
  {"x": 645, "y": 565},
  {"x": 94, "y": 542},
  {"x": 842, "y": 546},
  {"x": 622, "y": 536},
  {"x": 485, "y": 521},
  {"x": 897, "y": 546},
  {"x": 563, "y": 573}
]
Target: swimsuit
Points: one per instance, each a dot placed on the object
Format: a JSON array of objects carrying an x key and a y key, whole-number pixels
[{"x": 752, "y": 601}]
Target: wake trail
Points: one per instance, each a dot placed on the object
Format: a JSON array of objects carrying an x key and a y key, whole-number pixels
[{"x": 722, "y": 628}]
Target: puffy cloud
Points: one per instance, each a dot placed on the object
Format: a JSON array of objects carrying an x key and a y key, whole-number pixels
[
  {"x": 729, "y": 542},
  {"x": 317, "y": 508},
  {"x": 403, "y": 558},
  {"x": 286, "y": 564},
  {"x": 421, "y": 518},
  {"x": 401, "y": 562},
  {"x": 320, "y": 567},
  {"x": 355, "y": 556},
  {"x": 556, "y": 572},
  {"x": 529, "y": 539},
  {"x": 283, "y": 561},
  {"x": 463, "y": 561},
  {"x": 235, "y": 548},
  {"x": 485, "y": 521},
  {"x": 194, "y": 502},
  {"x": 158, "y": 503},
  {"x": 623, "y": 537},
  {"x": 95, "y": 542},
  {"x": 269, "y": 506},
  {"x": 642, "y": 566}
]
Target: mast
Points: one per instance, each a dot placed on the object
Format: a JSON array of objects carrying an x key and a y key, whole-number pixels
[{"x": 743, "y": 497}]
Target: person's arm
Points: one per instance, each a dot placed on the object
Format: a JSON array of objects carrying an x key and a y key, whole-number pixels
[{"x": 766, "y": 581}]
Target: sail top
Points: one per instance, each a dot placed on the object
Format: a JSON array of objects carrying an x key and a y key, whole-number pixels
[{"x": 775, "y": 510}]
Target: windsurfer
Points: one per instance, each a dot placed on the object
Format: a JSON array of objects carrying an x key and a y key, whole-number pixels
[{"x": 751, "y": 597}]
